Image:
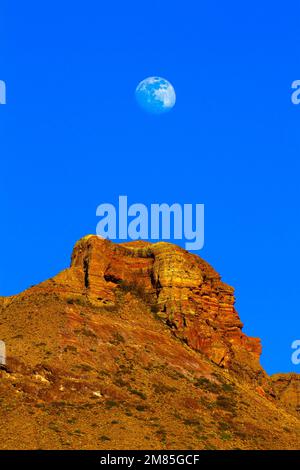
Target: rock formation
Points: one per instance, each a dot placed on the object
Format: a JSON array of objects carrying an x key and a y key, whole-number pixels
[
  {"x": 135, "y": 346},
  {"x": 287, "y": 387},
  {"x": 186, "y": 292}
]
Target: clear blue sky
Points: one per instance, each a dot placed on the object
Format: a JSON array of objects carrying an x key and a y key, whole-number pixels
[{"x": 73, "y": 137}]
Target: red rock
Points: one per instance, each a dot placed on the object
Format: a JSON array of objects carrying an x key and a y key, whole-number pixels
[{"x": 188, "y": 292}]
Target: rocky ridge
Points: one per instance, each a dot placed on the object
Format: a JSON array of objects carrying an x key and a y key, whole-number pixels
[{"x": 138, "y": 345}]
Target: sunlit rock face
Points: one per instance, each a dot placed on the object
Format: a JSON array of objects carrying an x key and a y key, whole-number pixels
[
  {"x": 188, "y": 294},
  {"x": 131, "y": 336}
]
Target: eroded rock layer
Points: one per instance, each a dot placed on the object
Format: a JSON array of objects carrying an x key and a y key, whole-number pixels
[
  {"x": 136, "y": 346},
  {"x": 185, "y": 291}
]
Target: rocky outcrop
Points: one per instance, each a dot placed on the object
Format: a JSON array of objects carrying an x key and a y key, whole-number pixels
[
  {"x": 182, "y": 289},
  {"x": 136, "y": 346},
  {"x": 287, "y": 388}
]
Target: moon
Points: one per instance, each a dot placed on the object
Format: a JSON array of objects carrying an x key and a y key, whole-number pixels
[{"x": 156, "y": 95}]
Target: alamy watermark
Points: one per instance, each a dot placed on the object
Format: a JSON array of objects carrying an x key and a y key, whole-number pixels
[
  {"x": 296, "y": 354},
  {"x": 295, "y": 97},
  {"x": 156, "y": 222},
  {"x": 2, "y": 92},
  {"x": 2, "y": 353}
]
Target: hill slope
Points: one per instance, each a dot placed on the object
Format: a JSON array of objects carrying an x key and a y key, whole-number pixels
[{"x": 137, "y": 346}]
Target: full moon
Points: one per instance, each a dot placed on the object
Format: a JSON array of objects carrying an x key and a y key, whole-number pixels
[{"x": 155, "y": 95}]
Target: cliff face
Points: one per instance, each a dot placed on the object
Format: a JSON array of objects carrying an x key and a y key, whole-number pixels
[
  {"x": 185, "y": 291},
  {"x": 137, "y": 346}
]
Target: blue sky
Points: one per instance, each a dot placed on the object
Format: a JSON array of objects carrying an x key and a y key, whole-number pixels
[{"x": 72, "y": 137}]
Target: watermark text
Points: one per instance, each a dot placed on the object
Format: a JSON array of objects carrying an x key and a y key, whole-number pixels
[
  {"x": 2, "y": 92},
  {"x": 156, "y": 222}
]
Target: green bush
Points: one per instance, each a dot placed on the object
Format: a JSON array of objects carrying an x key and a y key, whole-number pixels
[
  {"x": 110, "y": 404},
  {"x": 207, "y": 385},
  {"x": 138, "y": 393},
  {"x": 226, "y": 403}
]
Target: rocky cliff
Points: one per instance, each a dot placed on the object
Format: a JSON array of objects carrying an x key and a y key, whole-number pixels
[
  {"x": 137, "y": 345},
  {"x": 184, "y": 291}
]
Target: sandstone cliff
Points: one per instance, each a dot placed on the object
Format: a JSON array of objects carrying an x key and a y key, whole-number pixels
[
  {"x": 137, "y": 345},
  {"x": 186, "y": 292}
]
